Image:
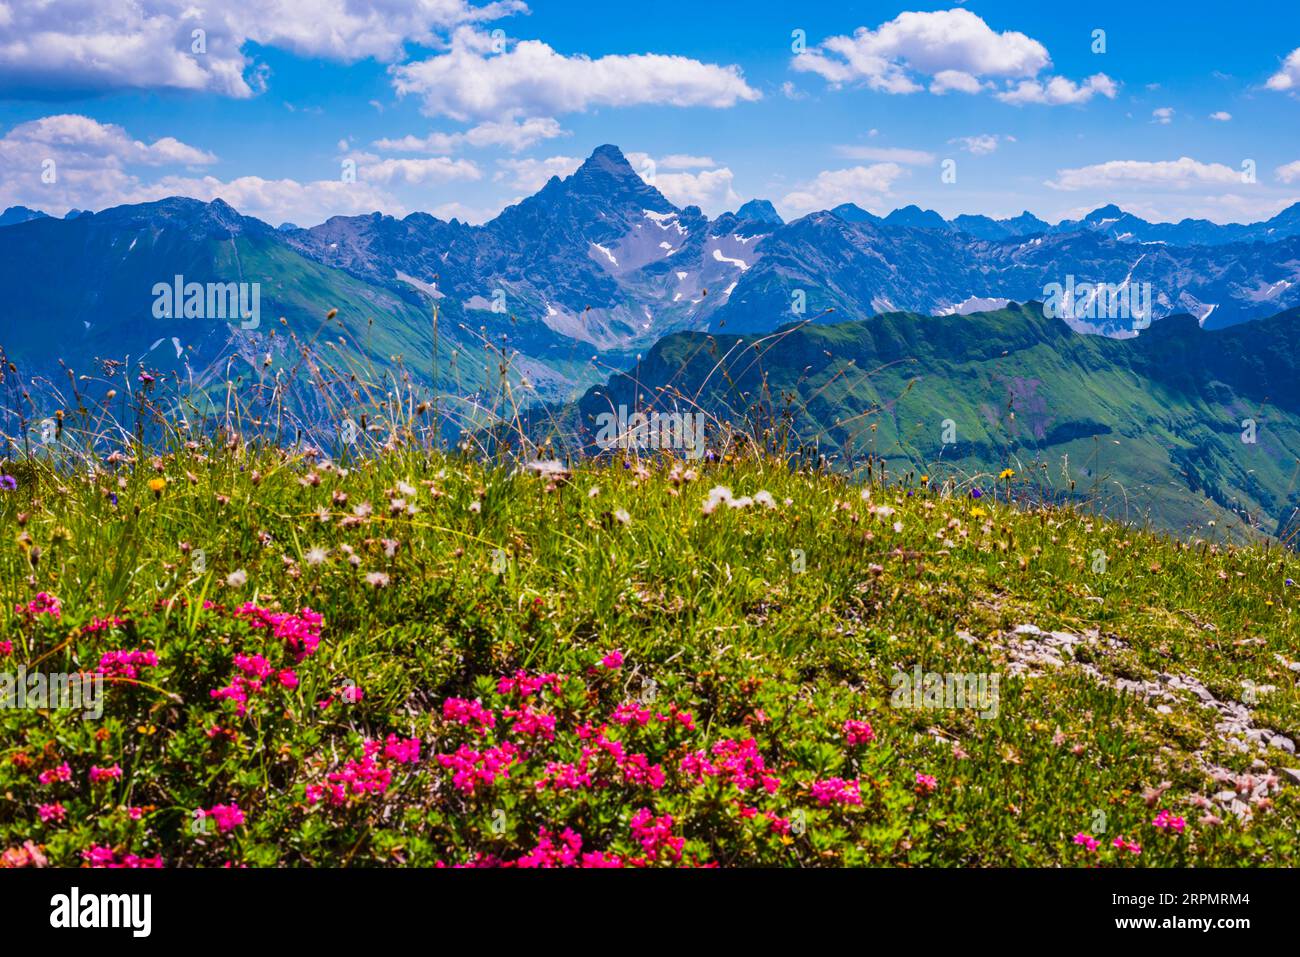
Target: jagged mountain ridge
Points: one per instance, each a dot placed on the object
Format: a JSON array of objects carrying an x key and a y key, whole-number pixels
[{"x": 598, "y": 264}]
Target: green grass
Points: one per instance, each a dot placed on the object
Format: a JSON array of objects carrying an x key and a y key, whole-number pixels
[{"x": 774, "y": 623}]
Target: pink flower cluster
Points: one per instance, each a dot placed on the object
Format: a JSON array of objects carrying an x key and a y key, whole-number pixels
[
  {"x": 102, "y": 624},
  {"x": 1165, "y": 819},
  {"x": 776, "y": 823},
  {"x": 61, "y": 773},
  {"x": 469, "y": 712},
  {"x": 836, "y": 791},
  {"x": 531, "y": 723},
  {"x": 632, "y": 713},
  {"x": 472, "y": 768},
  {"x": 1133, "y": 847},
  {"x": 1087, "y": 840},
  {"x": 357, "y": 778},
  {"x": 402, "y": 751},
  {"x": 227, "y": 816},
  {"x": 858, "y": 732},
  {"x": 238, "y": 692},
  {"x": 43, "y": 604},
  {"x": 125, "y": 664},
  {"x": 300, "y": 631},
  {"x": 629, "y": 712},
  {"x": 98, "y": 774},
  {"x": 735, "y": 762},
  {"x": 254, "y": 666},
  {"x": 52, "y": 812},
  {"x": 635, "y": 768},
  {"x": 925, "y": 784},
  {"x": 98, "y": 856},
  {"x": 548, "y": 853},
  {"x": 524, "y": 684},
  {"x": 564, "y": 776},
  {"x": 655, "y": 834}
]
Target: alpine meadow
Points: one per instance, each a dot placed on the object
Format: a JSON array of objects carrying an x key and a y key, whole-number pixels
[{"x": 441, "y": 434}]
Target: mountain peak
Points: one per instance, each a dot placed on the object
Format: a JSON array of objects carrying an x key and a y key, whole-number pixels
[
  {"x": 1109, "y": 211},
  {"x": 1289, "y": 214},
  {"x": 20, "y": 214},
  {"x": 609, "y": 178},
  {"x": 217, "y": 218},
  {"x": 759, "y": 211},
  {"x": 917, "y": 217},
  {"x": 609, "y": 160},
  {"x": 852, "y": 213}
]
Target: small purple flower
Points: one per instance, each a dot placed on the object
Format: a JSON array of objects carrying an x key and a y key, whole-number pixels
[
  {"x": 112, "y": 497},
  {"x": 976, "y": 493},
  {"x": 8, "y": 483}
]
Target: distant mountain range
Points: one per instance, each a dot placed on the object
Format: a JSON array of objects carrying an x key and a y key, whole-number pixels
[
  {"x": 1110, "y": 221},
  {"x": 597, "y": 266}
]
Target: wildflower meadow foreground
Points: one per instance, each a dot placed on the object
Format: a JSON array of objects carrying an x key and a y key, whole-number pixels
[{"x": 415, "y": 659}]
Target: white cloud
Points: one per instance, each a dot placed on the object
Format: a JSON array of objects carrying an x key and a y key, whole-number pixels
[
  {"x": 89, "y": 164},
  {"x": 1171, "y": 207},
  {"x": 946, "y": 80},
  {"x": 955, "y": 50},
  {"x": 1059, "y": 91},
  {"x": 476, "y": 79},
  {"x": 982, "y": 143},
  {"x": 1221, "y": 116},
  {"x": 1182, "y": 173},
  {"x": 529, "y": 175},
  {"x": 278, "y": 200},
  {"x": 98, "y": 165},
  {"x": 885, "y": 154},
  {"x": 685, "y": 161},
  {"x": 863, "y": 185},
  {"x": 475, "y": 215},
  {"x": 1163, "y": 115},
  {"x": 86, "y": 45},
  {"x": 513, "y": 134},
  {"x": 711, "y": 190},
  {"x": 1288, "y": 77},
  {"x": 431, "y": 169},
  {"x": 74, "y": 139},
  {"x": 1289, "y": 173}
]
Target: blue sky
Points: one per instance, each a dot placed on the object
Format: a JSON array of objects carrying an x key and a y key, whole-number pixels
[{"x": 437, "y": 111}]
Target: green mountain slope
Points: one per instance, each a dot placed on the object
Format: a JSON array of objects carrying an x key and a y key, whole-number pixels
[
  {"x": 1180, "y": 426},
  {"x": 91, "y": 298}
]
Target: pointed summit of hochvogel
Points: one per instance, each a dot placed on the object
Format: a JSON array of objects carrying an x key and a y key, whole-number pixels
[{"x": 608, "y": 177}]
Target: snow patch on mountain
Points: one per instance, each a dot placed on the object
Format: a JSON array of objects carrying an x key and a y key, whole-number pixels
[
  {"x": 969, "y": 305},
  {"x": 717, "y": 254},
  {"x": 428, "y": 288}
]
